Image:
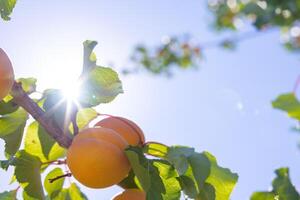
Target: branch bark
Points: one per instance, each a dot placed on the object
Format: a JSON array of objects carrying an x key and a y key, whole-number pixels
[{"x": 20, "y": 97}]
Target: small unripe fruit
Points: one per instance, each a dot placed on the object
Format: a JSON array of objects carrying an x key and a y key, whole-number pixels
[
  {"x": 6, "y": 74},
  {"x": 104, "y": 134},
  {"x": 126, "y": 128},
  {"x": 97, "y": 163},
  {"x": 131, "y": 194}
]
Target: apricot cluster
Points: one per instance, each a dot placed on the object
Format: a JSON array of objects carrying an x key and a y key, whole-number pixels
[
  {"x": 6, "y": 74},
  {"x": 97, "y": 158}
]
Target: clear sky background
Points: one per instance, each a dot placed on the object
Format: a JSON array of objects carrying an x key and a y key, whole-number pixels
[{"x": 224, "y": 107}]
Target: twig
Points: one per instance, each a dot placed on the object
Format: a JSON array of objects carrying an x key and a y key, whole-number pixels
[
  {"x": 297, "y": 83},
  {"x": 51, "y": 180},
  {"x": 52, "y": 128}
]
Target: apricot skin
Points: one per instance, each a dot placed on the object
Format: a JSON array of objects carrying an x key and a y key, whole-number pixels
[
  {"x": 126, "y": 128},
  {"x": 6, "y": 74},
  {"x": 131, "y": 194},
  {"x": 104, "y": 134},
  {"x": 96, "y": 163}
]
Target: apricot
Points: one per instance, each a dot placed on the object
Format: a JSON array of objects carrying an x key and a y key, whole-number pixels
[
  {"x": 104, "y": 134},
  {"x": 97, "y": 163},
  {"x": 6, "y": 74},
  {"x": 131, "y": 194},
  {"x": 126, "y": 128}
]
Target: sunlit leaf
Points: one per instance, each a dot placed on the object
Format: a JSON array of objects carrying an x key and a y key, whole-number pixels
[
  {"x": 101, "y": 85},
  {"x": 11, "y": 195},
  {"x": 39, "y": 143},
  {"x": 193, "y": 168},
  {"x": 11, "y": 130},
  {"x": 54, "y": 188},
  {"x": 146, "y": 173},
  {"x": 222, "y": 179},
  {"x": 288, "y": 103},
  {"x": 156, "y": 149},
  {"x": 85, "y": 116},
  {"x": 89, "y": 57},
  {"x": 28, "y": 84},
  {"x": 6, "y": 8},
  {"x": 169, "y": 177},
  {"x": 263, "y": 196},
  {"x": 283, "y": 189},
  {"x": 27, "y": 172},
  {"x": 75, "y": 193},
  {"x": 8, "y": 107}
]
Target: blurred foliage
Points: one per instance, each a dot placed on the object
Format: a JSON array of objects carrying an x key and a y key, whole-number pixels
[
  {"x": 6, "y": 8},
  {"x": 228, "y": 15},
  {"x": 173, "y": 53},
  {"x": 285, "y": 15},
  {"x": 283, "y": 189}
]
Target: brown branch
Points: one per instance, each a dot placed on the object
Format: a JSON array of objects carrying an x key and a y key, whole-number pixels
[{"x": 52, "y": 128}]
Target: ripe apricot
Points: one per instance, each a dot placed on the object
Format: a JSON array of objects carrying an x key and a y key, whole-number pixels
[
  {"x": 126, "y": 128},
  {"x": 131, "y": 194},
  {"x": 104, "y": 134},
  {"x": 6, "y": 74},
  {"x": 97, "y": 163}
]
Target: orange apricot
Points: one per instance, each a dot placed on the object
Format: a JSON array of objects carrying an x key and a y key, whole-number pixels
[
  {"x": 126, "y": 128},
  {"x": 97, "y": 163},
  {"x": 131, "y": 194},
  {"x": 104, "y": 134},
  {"x": 6, "y": 74}
]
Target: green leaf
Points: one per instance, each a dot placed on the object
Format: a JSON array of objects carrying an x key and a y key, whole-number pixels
[
  {"x": 222, "y": 179},
  {"x": 169, "y": 177},
  {"x": 6, "y": 8},
  {"x": 71, "y": 193},
  {"x": 200, "y": 175},
  {"x": 283, "y": 186},
  {"x": 156, "y": 149},
  {"x": 85, "y": 116},
  {"x": 75, "y": 193},
  {"x": 193, "y": 168},
  {"x": 11, "y": 195},
  {"x": 39, "y": 143},
  {"x": 28, "y": 84},
  {"x": 129, "y": 181},
  {"x": 188, "y": 186},
  {"x": 54, "y": 188},
  {"x": 27, "y": 172},
  {"x": 283, "y": 189},
  {"x": 101, "y": 85},
  {"x": 263, "y": 196},
  {"x": 207, "y": 192},
  {"x": 146, "y": 173},
  {"x": 288, "y": 103},
  {"x": 89, "y": 57},
  {"x": 12, "y": 129},
  {"x": 8, "y": 107}
]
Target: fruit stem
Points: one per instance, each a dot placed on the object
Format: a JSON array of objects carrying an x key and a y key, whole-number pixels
[
  {"x": 55, "y": 162},
  {"x": 51, "y": 180},
  {"x": 21, "y": 98}
]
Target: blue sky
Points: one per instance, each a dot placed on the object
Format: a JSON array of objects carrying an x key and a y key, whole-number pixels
[{"x": 223, "y": 107}]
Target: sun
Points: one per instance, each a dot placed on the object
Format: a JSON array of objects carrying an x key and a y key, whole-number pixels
[{"x": 71, "y": 92}]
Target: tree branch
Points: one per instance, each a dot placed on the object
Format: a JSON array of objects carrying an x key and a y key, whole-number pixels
[{"x": 52, "y": 128}]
